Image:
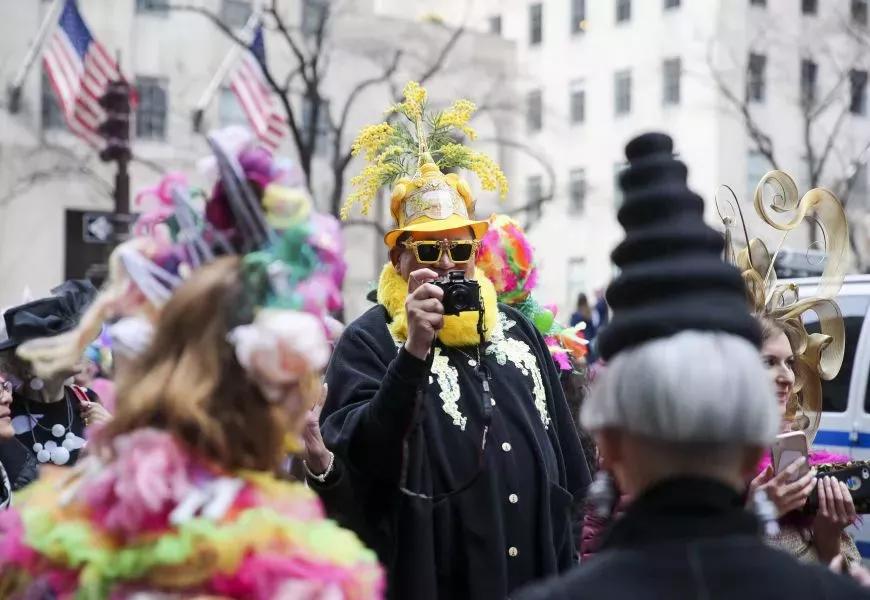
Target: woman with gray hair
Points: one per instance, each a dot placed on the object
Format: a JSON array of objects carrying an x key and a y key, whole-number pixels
[{"x": 683, "y": 413}]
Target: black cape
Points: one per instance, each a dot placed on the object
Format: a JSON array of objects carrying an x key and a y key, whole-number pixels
[
  {"x": 692, "y": 538},
  {"x": 514, "y": 524}
]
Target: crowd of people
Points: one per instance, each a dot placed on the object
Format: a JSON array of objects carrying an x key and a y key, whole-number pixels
[{"x": 203, "y": 427}]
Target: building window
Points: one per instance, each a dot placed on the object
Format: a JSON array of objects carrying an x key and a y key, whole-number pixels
[
  {"x": 534, "y": 111},
  {"x": 618, "y": 197},
  {"x": 755, "y": 81},
  {"x": 859, "y": 11},
  {"x": 52, "y": 115},
  {"x": 623, "y": 11},
  {"x": 578, "y": 16},
  {"x": 809, "y": 7},
  {"x": 578, "y": 102},
  {"x": 534, "y": 196},
  {"x": 495, "y": 24},
  {"x": 671, "y": 70},
  {"x": 858, "y": 195},
  {"x": 152, "y": 109},
  {"x": 577, "y": 191},
  {"x": 622, "y": 92},
  {"x": 230, "y": 111},
  {"x": 536, "y": 23},
  {"x": 756, "y": 167},
  {"x": 758, "y": 2},
  {"x": 152, "y": 6},
  {"x": 576, "y": 280},
  {"x": 809, "y": 71},
  {"x": 669, "y": 4},
  {"x": 235, "y": 13},
  {"x": 857, "y": 92}
]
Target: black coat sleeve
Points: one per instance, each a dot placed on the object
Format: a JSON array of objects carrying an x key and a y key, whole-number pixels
[{"x": 370, "y": 402}]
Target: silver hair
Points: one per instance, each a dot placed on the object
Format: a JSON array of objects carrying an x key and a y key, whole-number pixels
[{"x": 693, "y": 387}]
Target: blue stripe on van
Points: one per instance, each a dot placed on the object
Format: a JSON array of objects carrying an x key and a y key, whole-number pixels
[
  {"x": 827, "y": 437},
  {"x": 863, "y": 548}
]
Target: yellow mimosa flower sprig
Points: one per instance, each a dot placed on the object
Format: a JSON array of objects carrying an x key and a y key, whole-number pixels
[{"x": 395, "y": 148}]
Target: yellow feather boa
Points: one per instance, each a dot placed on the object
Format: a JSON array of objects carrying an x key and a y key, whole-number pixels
[{"x": 459, "y": 330}]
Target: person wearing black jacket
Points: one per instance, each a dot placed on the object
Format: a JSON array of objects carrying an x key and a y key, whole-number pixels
[
  {"x": 682, "y": 415},
  {"x": 453, "y": 429}
]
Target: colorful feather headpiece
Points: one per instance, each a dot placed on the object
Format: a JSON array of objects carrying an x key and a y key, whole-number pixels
[
  {"x": 818, "y": 355},
  {"x": 507, "y": 259}
]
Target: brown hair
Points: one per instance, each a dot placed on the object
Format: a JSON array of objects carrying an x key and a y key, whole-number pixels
[
  {"x": 190, "y": 384},
  {"x": 769, "y": 327}
]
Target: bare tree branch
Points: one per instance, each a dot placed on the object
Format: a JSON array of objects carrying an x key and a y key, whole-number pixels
[
  {"x": 438, "y": 63},
  {"x": 270, "y": 78}
]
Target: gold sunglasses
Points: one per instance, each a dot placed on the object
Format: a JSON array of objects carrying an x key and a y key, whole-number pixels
[{"x": 429, "y": 252}]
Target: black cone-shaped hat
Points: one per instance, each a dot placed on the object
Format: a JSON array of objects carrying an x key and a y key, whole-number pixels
[{"x": 672, "y": 275}]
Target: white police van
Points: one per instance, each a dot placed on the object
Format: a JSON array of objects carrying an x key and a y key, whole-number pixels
[{"x": 845, "y": 426}]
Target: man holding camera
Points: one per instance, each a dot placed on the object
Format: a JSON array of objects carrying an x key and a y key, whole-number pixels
[{"x": 446, "y": 409}]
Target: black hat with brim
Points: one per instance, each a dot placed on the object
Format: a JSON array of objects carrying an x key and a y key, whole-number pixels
[{"x": 49, "y": 316}]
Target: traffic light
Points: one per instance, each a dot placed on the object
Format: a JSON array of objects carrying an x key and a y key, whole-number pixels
[{"x": 116, "y": 127}]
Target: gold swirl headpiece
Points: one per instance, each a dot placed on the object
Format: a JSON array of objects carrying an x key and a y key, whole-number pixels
[{"x": 817, "y": 355}]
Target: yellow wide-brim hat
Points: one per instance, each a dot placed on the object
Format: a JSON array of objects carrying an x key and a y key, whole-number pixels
[
  {"x": 428, "y": 225},
  {"x": 432, "y": 203}
]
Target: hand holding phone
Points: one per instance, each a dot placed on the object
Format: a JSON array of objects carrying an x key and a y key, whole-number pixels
[{"x": 788, "y": 448}]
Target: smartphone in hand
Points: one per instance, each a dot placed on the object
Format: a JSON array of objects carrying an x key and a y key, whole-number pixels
[{"x": 788, "y": 448}]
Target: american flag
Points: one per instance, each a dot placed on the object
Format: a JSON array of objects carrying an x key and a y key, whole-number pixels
[
  {"x": 79, "y": 69},
  {"x": 254, "y": 94}
]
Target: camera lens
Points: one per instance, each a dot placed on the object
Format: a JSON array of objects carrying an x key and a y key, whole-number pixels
[{"x": 459, "y": 298}]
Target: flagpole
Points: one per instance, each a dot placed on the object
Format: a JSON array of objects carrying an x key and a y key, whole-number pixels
[
  {"x": 32, "y": 53},
  {"x": 221, "y": 74}
]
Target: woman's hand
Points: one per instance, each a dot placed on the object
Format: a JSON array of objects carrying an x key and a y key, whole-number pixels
[
  {"x": 785, "y": 496},
  {"x": 836, "y": 512},
  {"x": 94, "y": 413},
  {"x": 315, "y": 454}
]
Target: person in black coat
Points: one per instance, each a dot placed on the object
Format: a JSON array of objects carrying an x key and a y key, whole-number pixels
[
  {"x": 452, "y": 428},
  {"x": 682, "y": 415}
]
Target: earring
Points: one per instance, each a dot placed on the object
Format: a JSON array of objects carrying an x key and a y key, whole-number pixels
[
  {"x": 602, "y": 495},
  {"x": 765, "y": 510},
  {"x": 36, "y": 384}
]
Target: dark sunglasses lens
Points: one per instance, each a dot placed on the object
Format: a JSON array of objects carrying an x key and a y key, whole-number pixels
[
  {"x": 429, "y": 252},
  {"x": 461, "y": 252}
]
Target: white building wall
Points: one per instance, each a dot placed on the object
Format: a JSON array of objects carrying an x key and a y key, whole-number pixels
[{"x": 709, "y": 135}]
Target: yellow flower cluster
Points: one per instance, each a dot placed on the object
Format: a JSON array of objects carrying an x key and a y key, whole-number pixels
[
  {"x": 371, "y": 139},
  {"x": 415, "y": 98},
  {"x": 458, "y": 116},
  {"x": 454, "y": 155},
  {"x": 367, "y": 184},
  {"x": 489, "y": 173}
]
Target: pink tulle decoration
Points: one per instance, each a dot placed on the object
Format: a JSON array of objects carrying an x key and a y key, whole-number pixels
[
  {"x": 140, "y": 488},
  {"x": 817, "y": 457},
  {"x": 264, "y": 576},
  {"x": 13, "y": 550},
  {"x": 155, "y": 203}
]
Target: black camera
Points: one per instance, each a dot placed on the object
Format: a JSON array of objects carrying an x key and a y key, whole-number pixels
[{"x": 460, "y": 294}]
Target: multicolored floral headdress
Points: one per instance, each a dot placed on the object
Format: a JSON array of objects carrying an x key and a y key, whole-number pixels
[
  {"x": 818, "y": 355},
  {"x": 507, "y": 259},
  {"x": 292, "y": 266},
  {"x": 410, "y": 153}
]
